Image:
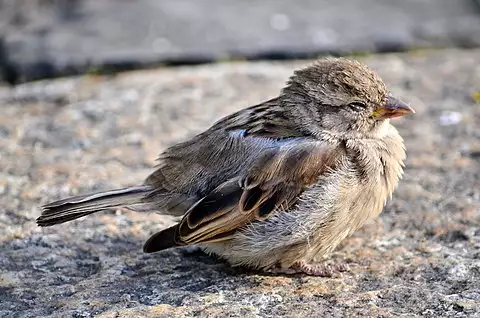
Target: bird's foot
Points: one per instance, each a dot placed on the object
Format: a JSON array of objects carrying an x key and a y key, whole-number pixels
[{"x": 322, "y": 270}]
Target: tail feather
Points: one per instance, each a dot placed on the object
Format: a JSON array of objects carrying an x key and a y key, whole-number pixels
[{"x": 75, "y": 207}]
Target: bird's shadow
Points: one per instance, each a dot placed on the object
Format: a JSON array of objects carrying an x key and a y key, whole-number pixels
[{"x": 115, "y": 270}]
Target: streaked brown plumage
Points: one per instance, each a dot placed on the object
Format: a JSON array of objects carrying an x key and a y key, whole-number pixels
[{"x": 277, "y": 184}]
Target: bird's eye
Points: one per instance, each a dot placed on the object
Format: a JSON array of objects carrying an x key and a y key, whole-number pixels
[{"x": 357, "y": 106}]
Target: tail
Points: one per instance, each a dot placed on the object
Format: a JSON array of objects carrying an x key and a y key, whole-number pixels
[{"x": 75, "y": 207}]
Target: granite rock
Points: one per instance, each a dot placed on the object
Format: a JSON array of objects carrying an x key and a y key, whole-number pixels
[{"x": 67, "y": 136}]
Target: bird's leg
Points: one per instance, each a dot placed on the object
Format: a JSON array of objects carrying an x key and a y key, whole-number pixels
[{"x": 322, "y": 270}]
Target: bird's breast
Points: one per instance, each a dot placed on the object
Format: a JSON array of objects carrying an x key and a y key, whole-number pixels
[{"x": 374, "y": 169}]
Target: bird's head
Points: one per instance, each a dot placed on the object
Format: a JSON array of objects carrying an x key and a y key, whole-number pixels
[{"x": 343, "y": 97}]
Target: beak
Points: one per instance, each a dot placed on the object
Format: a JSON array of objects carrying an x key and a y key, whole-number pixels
[{"x": 393, "y": 108}]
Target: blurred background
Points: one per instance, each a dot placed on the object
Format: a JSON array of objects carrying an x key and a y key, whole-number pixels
[{"x": 48, "y": 38}]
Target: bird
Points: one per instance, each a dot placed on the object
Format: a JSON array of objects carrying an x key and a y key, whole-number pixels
[{"x": 273, "y": 186}]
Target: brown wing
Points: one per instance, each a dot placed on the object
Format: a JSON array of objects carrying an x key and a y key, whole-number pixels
[
  {"x": 181, "y": 179},
  {"x": 272, "y": 184}
]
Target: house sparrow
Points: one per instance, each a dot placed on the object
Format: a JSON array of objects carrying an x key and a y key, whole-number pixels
[{"x": 274, "y": 185}]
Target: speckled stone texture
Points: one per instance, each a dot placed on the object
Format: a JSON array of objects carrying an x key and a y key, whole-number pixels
[{"x": 74, "y": 135}]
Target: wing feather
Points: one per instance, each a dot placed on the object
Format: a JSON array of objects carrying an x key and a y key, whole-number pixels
[{"x": 272, "y": 184}]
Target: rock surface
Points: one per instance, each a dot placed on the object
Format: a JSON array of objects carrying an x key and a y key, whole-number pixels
[
  {"x": 44, "y": 38},
  {"x": 74, "y": 135}
]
